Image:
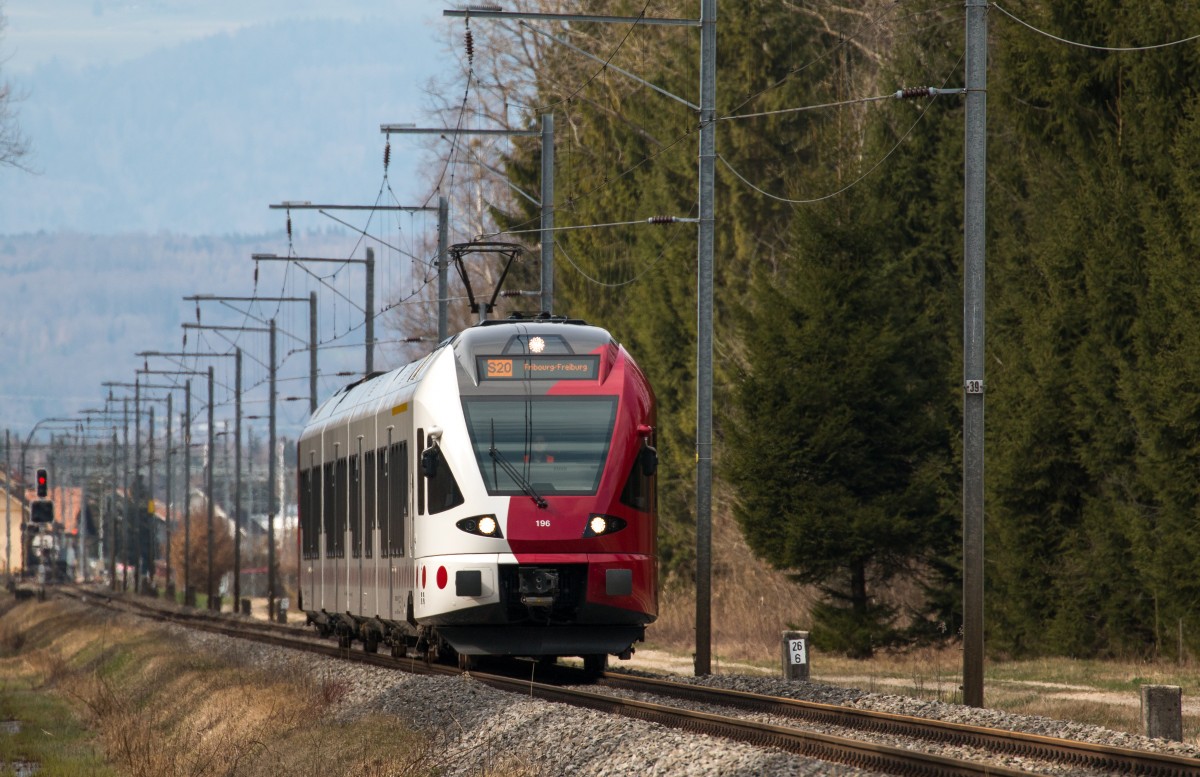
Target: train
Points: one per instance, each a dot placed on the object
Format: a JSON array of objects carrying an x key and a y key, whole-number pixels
[{"x": 497, "y": 497}]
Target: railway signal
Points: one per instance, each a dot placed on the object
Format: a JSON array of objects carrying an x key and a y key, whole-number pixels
[
  {"x": 41, "y": 484},
  {"x": 41, "y": 511}
]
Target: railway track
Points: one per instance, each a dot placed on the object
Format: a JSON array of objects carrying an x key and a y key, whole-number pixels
[{"x": 765, "y": 721}]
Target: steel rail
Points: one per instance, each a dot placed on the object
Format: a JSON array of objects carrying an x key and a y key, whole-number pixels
[
  {"x": 827, "y": 747},
  {"x": 1069, "y": 751}
]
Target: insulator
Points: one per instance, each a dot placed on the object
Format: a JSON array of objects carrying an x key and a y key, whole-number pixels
[
  {"x": 661, "y": 219},
  {"x": 910, "y": 92},
  {"x": 289, "y": 225},
  {"x": 256, "y": 273},
  {"x": 387, "y": 155},
  {"x": 197, "y": 312},
  {"x": 470, "y": 40}
]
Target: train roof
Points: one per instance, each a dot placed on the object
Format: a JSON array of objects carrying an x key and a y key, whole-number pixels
[{"x": 511, "y": 335}]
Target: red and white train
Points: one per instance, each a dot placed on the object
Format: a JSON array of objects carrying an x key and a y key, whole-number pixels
[{"x": 496, "y": 497}]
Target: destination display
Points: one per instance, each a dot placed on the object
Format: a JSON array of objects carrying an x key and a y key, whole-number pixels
[{"x": 538, "y": 367}]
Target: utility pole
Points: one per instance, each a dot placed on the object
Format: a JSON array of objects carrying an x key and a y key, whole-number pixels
[
  {"x": 152, "y": 554},
  {"x": 443, "y": 264},
  {"x": 81, "y": 528},
  {"x": 186, "y": 429},
  {"x": 7, "y": 503},
  {"x": 213, "y": 602},
  {"x": 704, "y": 335},
  {"x": 271, "y": 476},
  {"x": 237, "y": 392},
  {"x": 125, "y": 490},
  {"x": 704, "y": 285},
  {"x": 975, "y": 252},
  {"x": 144, "y": 508},
  {"x": 188, "y": 599},
  {"x": 112, "y": 520},
  {"x": 547, "y": 267},
  {"x": 170, "y": 585}
]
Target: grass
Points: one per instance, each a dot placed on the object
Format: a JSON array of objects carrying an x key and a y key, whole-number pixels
[
  {"x": 106, "y": 695},
  {"x": 51, "y": 733}
]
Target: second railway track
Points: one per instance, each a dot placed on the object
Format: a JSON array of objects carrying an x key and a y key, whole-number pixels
[{"x": 871, "y": 740}]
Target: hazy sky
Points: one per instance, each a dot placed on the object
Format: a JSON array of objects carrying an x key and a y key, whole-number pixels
[
  {"x": 193, "y": 115},
  {"x": 190, "y": 117},
  {"x": 96, "y": 32}
]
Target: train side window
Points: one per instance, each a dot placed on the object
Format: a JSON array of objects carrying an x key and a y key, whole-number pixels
[
  {"x": 640, "y": 490},
  {"x": 444, "y": 492},
  {"x": 339, "y": 510},
  {"x": 397, "y": 497},
  {"x": 309, "y": 511},
  {"x": 330, "y": 493},
  {"x": 385, "y": 503},
  {"x": 354, "y": 511},
  {"x": 314, "y": 519},
  {"x": 369, "y": 501},
  {"x": 420, "y": 480}
]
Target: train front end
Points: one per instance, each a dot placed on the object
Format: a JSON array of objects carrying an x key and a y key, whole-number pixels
[{"x": 540, "y": 505}]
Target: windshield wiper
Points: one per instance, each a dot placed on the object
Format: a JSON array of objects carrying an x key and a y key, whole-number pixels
[{"x": 517, "y": 477}]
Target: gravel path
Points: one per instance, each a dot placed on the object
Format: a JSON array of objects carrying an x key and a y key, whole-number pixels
[{"x": 480, "y": 730}]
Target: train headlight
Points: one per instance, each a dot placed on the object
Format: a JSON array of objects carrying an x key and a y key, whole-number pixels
[
  {"x": 481, "y": 525},
  {"x": 600, "y": 525}
]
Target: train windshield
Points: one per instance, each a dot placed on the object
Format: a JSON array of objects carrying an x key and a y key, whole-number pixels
[{"x": 558, "y": 445}]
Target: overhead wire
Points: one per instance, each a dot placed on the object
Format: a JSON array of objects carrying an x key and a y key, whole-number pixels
[
  {"x": 1092, "y": 47},
  {"x": 862, "y": 177},
  {"x": 596, "y": 281},
  {"x": 603, "y": 68},
  {"x": 843, "y": 42}
]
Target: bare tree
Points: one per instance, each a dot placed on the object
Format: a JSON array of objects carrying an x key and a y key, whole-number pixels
[{"x": 13, "y": 145}]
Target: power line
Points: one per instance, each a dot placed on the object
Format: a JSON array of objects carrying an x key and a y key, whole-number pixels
[
  {"x": 843, "y": 42},
  {"x": 596, "y": 281},
  {"x": 933, "y": 92},
  {"x": 1090, "y": 46},
  {"x": 651, "y": 220},
  {"x": 899, "y": 94}
]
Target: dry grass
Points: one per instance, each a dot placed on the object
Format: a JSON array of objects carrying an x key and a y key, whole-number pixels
[
  {"x": 158, "y": 709},
  {"x": 752, "y": 605}
]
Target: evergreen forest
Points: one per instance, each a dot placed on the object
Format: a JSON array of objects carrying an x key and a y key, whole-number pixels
[{"x": 838, "y": 315}]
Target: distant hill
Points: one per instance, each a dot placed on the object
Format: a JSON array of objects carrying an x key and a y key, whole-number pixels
[
  {"x": 201, "y": 137},
  {"x": 75, "y": 309}
]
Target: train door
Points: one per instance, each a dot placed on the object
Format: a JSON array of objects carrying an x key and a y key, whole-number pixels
[
  {"x": 342, "y": 535},
  {"x": 354, "y": 523},
  {"x": 371, "y": 600},
  {"x": 328, "y": 570},
  {"x": 397, "y": 518},
  {"x": 309, "y": 507}
]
